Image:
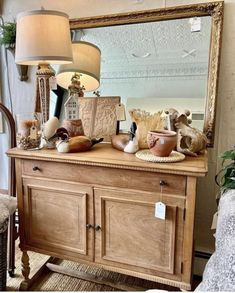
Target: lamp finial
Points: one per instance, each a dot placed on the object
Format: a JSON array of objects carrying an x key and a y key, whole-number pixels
[{"x": 75, "y": 86}]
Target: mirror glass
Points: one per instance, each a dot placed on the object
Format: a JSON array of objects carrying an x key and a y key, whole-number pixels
[
  {"x": 156, "y": 65},
  {"x": 160, "y": 58}
]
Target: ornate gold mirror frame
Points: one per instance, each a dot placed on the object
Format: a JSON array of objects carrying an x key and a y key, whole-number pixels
[{"x": 213, "y": 9}]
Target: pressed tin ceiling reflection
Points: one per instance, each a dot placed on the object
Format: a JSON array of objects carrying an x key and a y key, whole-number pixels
[{"x": 155, "y": 49}]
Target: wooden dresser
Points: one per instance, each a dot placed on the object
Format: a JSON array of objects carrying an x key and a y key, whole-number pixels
[{"x": 98, "y": 207}]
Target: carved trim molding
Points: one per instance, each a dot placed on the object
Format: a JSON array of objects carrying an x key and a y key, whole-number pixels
[
  {"x": 213, "y": 72},
  {"x": 186, "y": 71},
  {"x": 213, "y": 9},
  {"x": 107, "y": 165}
]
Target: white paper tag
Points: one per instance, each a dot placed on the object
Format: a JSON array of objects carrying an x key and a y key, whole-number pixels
[
  {"x": 214, "y": 221},
  {"x": 52, "y": 83},
  {"x": 160, "y": 210},
  {"x": 195, "y": 24},
  {"x": 120, "y": 112}
]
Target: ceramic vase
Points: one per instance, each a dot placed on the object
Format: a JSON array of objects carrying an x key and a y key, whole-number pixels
[{"x": 161, "y": 142}]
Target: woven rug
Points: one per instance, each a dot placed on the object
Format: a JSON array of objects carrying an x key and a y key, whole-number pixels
[{"x": 51, "y": 281}]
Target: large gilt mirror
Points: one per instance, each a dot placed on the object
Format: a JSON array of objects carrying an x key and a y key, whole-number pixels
[{"x": 162, "y": 58}]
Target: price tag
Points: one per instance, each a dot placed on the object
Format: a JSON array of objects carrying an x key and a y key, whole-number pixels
[
  {"x": 52, "y": 83},
  {"x": 195, "y": 24},
  {"x": 120, "y": 112},
  {"x": 214, "y": 221},
  {"x": 33, "y": 132},
  {"x": 160, "y": 210}
]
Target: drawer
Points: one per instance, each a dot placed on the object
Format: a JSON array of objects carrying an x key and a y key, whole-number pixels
[{"x": 106, "y": 176}]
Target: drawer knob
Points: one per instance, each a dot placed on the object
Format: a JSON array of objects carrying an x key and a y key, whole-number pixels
[
  {"x": 89, "y": 226},
  {"x": 97, "y": 228},
  {"x": 36, "y": 168},
  {"x": 162, "y": 183}
]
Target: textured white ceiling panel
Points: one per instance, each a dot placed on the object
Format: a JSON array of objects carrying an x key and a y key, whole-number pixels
[
  {"x": 164, "y": 42},
  {"x": 142, "y": 58}
]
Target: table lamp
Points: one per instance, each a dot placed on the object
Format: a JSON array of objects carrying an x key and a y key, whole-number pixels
[
  {"x": 86, "y": 65},
  {"x": 43, "y": 38}
]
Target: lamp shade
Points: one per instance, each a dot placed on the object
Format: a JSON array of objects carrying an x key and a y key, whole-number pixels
[
  {"x": 43, "y": 36},
  {"x": 86, "y": 62}
]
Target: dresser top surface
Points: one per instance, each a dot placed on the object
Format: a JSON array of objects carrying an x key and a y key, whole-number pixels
[{"x": 106, "y": 156}]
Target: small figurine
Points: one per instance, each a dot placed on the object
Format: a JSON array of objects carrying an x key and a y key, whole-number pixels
[
  {"x": 76, "y": 144},
  {"x": 71, "y": 108},
  {"x": 132, "y": 147},
  {"x": 190, "y": 141},
  {"x": 119, "y": 141},
  {"x": 49, "y": 130},
  {"x": 172, "y": 115},
  {"x": 71, "y": 105},
  {"x": 50, "y": 127}
]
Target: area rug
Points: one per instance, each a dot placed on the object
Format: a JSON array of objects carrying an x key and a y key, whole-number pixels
[{"x": 51, "y": 281}]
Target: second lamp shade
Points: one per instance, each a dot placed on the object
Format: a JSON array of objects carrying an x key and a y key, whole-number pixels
[{"x": 86, "y": 62}]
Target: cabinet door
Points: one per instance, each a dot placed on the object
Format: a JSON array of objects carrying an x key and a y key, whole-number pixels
[
  {"x": 132, "y": 238},
  {"x": 55, "y": 217}
]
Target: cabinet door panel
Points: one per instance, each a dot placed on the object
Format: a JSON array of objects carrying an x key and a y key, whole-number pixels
[
  {"x": 56, "y": 215},
  {"x": 131, "y": 234}
]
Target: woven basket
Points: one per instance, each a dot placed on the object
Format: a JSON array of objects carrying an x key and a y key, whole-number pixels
[{"x": 3, "y": 254}]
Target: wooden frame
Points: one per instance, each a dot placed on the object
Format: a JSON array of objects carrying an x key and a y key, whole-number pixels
[{"x": 213, "y": 9}]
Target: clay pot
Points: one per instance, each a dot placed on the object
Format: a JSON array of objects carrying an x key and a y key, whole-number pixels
[
  {"x": 161, "y": 142},
  {"x": 74, "y": 127}
]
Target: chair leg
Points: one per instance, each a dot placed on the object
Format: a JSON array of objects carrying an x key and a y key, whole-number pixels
[{"x": 11, "y": 246}]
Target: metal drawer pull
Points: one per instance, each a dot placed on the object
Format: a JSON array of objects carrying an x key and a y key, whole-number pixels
[
  {"x": 162, "y": 183},
  {"x": 36, "y": 168},
  {"x": 97, "y": 228}
]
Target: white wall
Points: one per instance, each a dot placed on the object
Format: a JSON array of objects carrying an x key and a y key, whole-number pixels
[{"x": 23, "y": 93}]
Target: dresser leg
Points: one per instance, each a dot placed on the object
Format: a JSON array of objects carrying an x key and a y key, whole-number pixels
[{"x": 25, "y": 271}]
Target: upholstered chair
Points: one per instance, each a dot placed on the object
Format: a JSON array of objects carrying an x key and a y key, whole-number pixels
[{"x": 11, "y": 188}]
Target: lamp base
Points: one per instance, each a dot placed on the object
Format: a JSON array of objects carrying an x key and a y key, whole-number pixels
[{"x": 42, "y": 100}]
